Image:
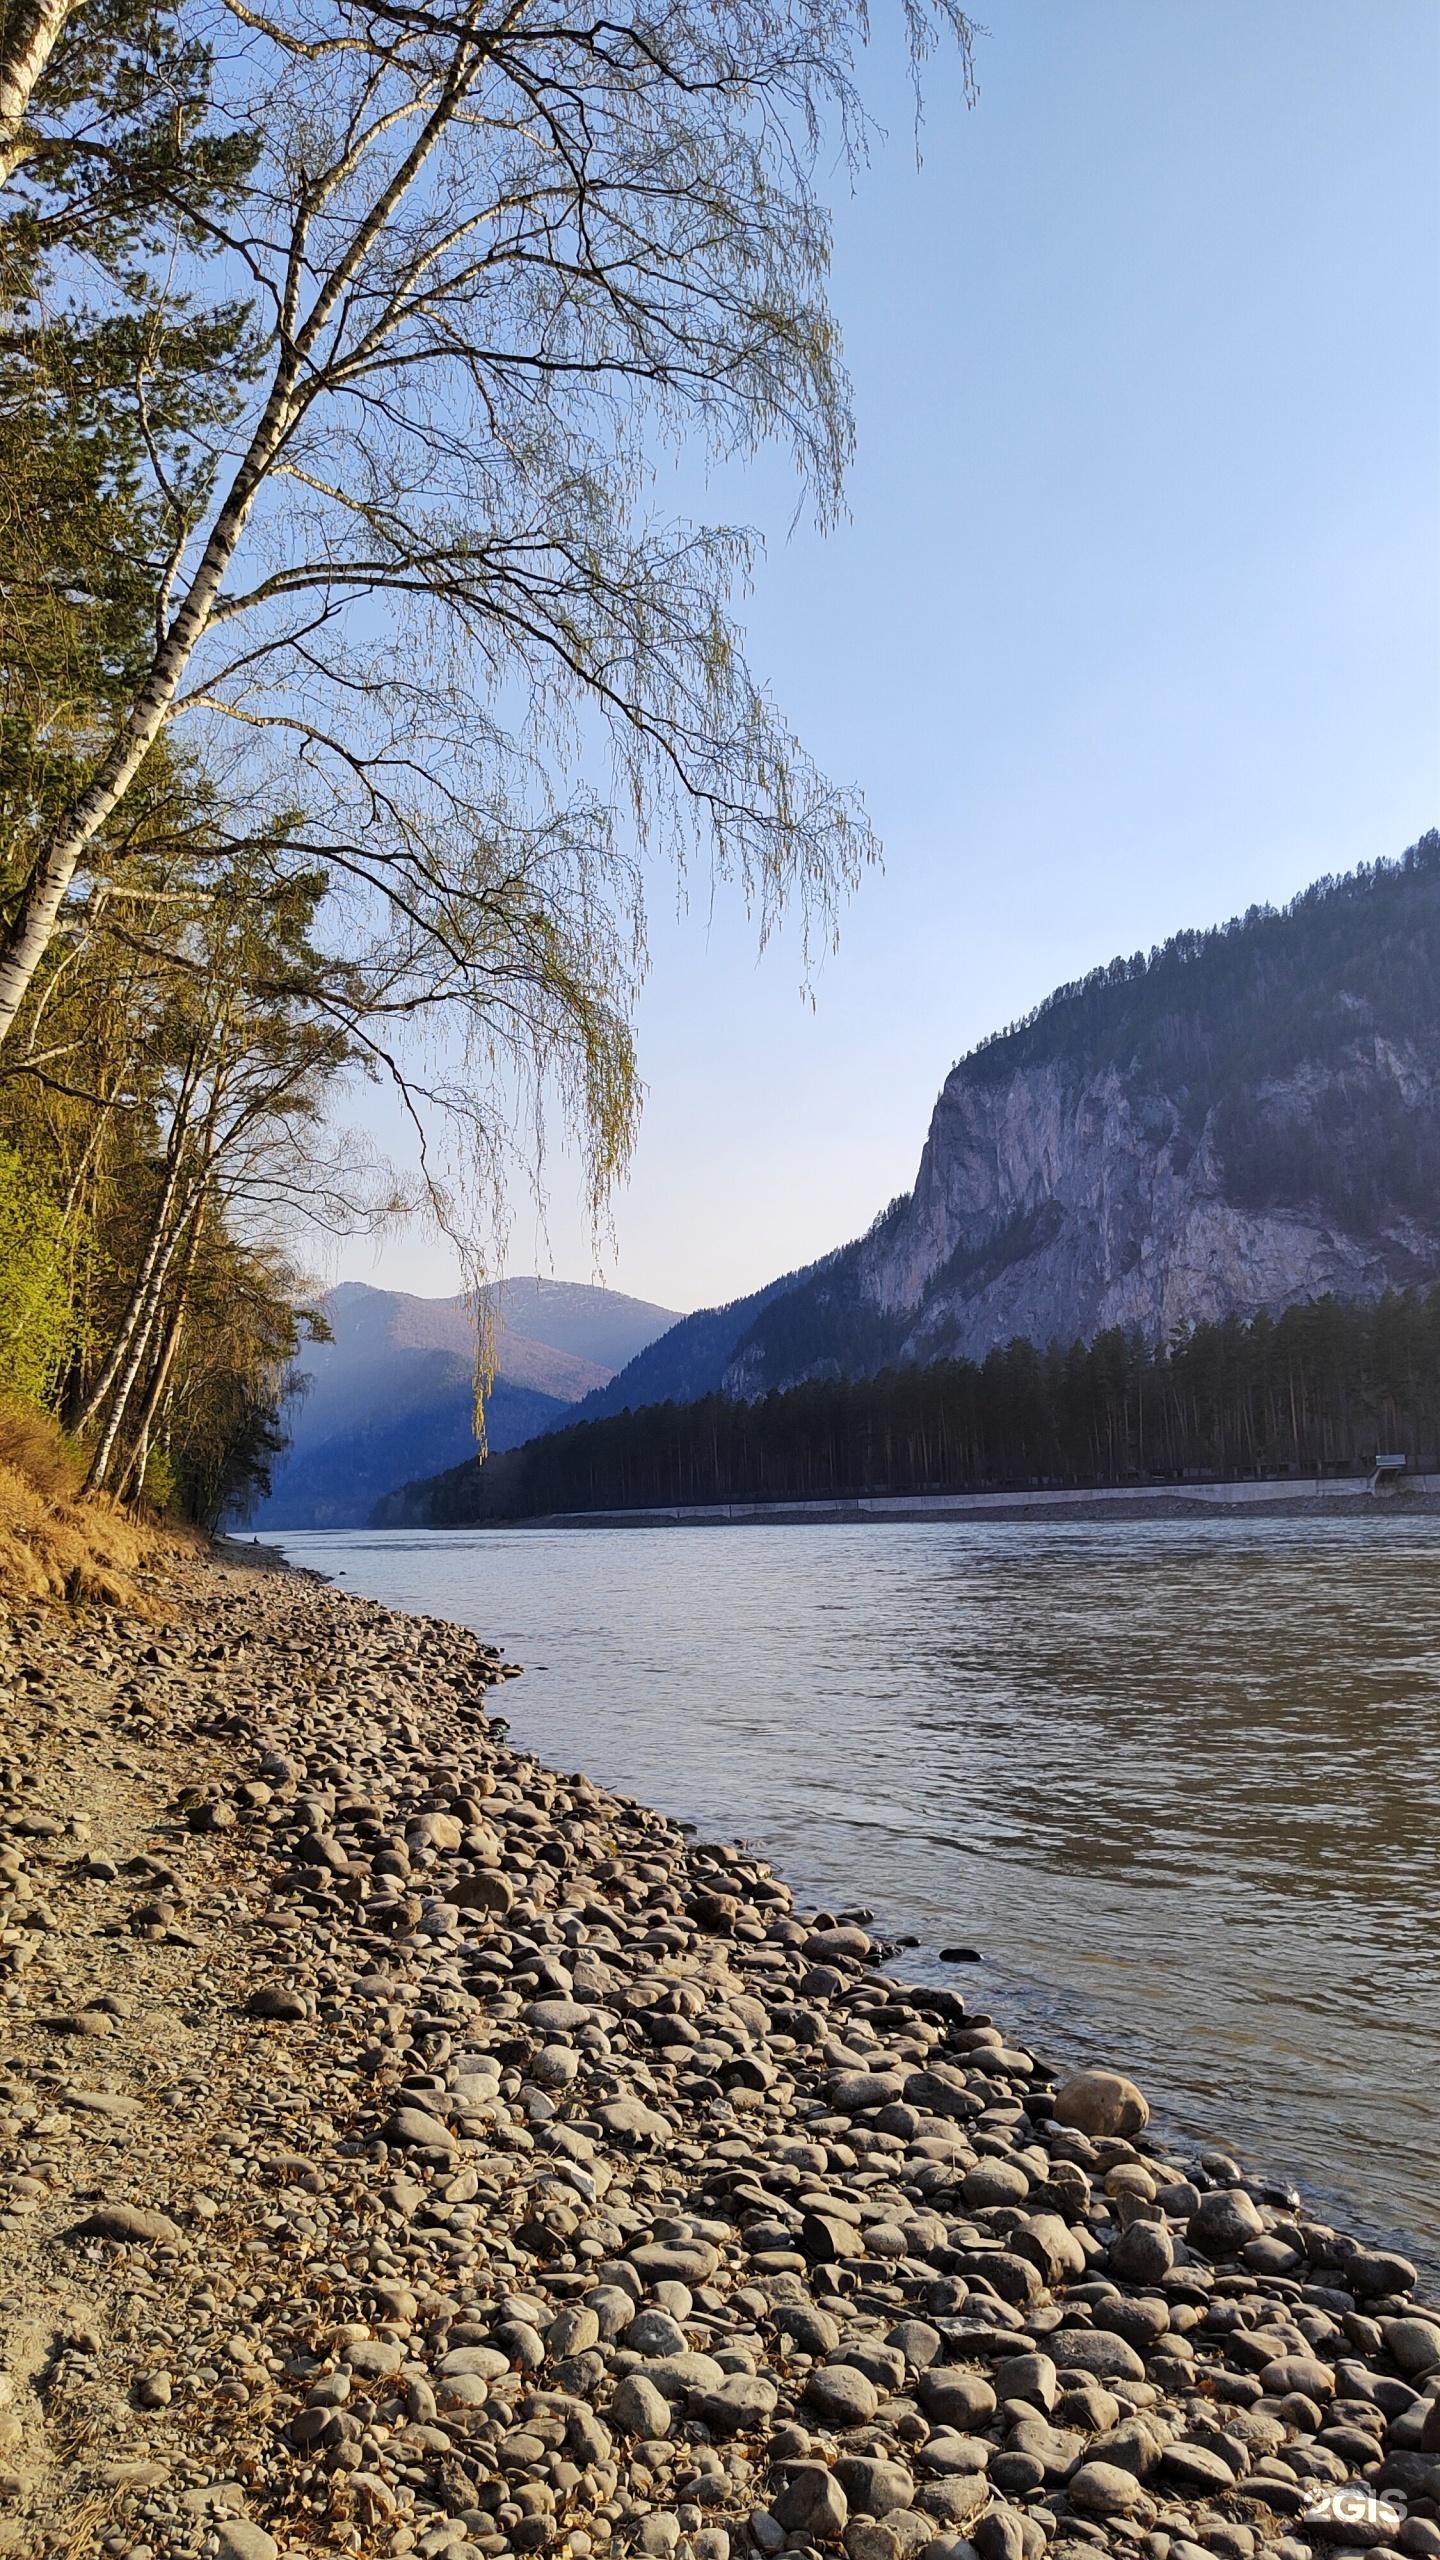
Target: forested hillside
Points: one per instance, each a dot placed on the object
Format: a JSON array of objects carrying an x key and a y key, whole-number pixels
[
  {"x": 1324, "y": 1388},
  {"x": 688, "y": 1359}
]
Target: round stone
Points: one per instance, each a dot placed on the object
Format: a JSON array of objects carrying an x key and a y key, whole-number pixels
[
  {"x": 638, "y": 2409},
  {"x": 956, "y": 2399},
  {"x": 740, "y": 2405},
  {"x": 687, "y": 2262},
  {"x": 1142, "y": 2255},
  {"x": 411, "y": 2129},
  {"x": 240, "y": 2541},
  {"x": 1017, "y": 2474},
  {"x": 1000, "y": 2535},
  {"x": 955, "y": 2497},
  {"x": 1375, "y": 2271},
  {"x": 1195, "y": 2467},
  {"x": 852, "y": 2093},
  {"x": 129, "y": 2222},
  {"x": 1414, "y": 2345},
  {"x": 829, "y": 1943},
  {"x": 812, "y": 2502},
  {"x": 1103, "y": 2489},
  {"x": 651, "y": 2333},
  {"x": 994, "y": 2182},
  {"x": 1223, "y": 2221},
  {"x": 1101, "y": 2102},
  {"x": 1098, "y": 2351},
  {"x": 1299, "y": 2373},
  {"x": 572, "y": 2332},
  {"x": 946, "y": 2452},
  {"x": 1030, "y": 2378},
  {"x": 841, "y": 2395}
]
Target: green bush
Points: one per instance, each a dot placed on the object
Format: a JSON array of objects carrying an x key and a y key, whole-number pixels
[{"x": 36, "y": 1292}]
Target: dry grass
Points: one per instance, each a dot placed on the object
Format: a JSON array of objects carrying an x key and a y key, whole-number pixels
[{"x": 56, "y": 1545}]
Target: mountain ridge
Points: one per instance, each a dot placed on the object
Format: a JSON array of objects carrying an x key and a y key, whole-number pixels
[
  {"x": 1247, "y": 1119},
  {"x": 1243, "y": 1120}
]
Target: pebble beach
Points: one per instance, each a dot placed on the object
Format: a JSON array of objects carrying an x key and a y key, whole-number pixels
[{"x": 408, "y": 2148}]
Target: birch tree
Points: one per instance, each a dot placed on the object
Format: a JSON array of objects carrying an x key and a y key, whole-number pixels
[{"x": 496, "y": 260}]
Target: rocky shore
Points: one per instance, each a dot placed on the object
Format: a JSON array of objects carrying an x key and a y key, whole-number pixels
[{"x": 407, "y": 2149}]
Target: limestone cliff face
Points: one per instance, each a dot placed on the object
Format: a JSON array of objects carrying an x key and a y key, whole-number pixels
[
  {"x": 1057, "y": 1208},
  {"x": 1244, "y": 1121}
]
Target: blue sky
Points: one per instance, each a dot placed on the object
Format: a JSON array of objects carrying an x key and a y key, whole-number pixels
[{"x": 1136, "y": 618}]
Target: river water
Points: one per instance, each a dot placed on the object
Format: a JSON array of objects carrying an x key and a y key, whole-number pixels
[{"x": 1179, "y": 1785}]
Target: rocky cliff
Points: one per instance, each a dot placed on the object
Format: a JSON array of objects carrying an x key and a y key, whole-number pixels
[{"x": 1241, "y": 1121}]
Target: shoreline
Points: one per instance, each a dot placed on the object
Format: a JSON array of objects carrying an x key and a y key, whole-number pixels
[
  {"x": 409, "y": 2149},
  {"x": 1312, "y": 1497}
]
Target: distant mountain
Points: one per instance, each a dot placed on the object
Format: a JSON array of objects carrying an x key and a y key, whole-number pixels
[
  {"x": 1243, "y": 1121},
  {"x": 393, "y": 1394},
  {"x": 598, "y": 1325}
]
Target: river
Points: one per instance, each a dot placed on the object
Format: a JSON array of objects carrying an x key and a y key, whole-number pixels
[{"x": 1178, "y": 1784}]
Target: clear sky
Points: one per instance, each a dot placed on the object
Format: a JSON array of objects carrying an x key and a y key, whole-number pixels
[{"x": 1136, "y": 620}]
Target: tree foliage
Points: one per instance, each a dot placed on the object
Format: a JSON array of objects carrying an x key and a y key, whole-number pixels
[
  {"x": 350, "y": 673},
  {"x": 494, "y": 263}
]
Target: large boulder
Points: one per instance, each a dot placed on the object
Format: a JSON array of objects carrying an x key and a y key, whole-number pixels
[
  {"x": 1223, "y": 2221},
  {"x": 812, "y": 2502},
  {"x": 1096, "y": 2351},
  {"x": 1103, "y": 2103},
  {"x": 1143, "y": 2254},
  {"x": 841, "y": 2395}
]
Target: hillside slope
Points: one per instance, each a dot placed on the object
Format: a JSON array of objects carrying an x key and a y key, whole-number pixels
[{"x": 688, "y": 1361}]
